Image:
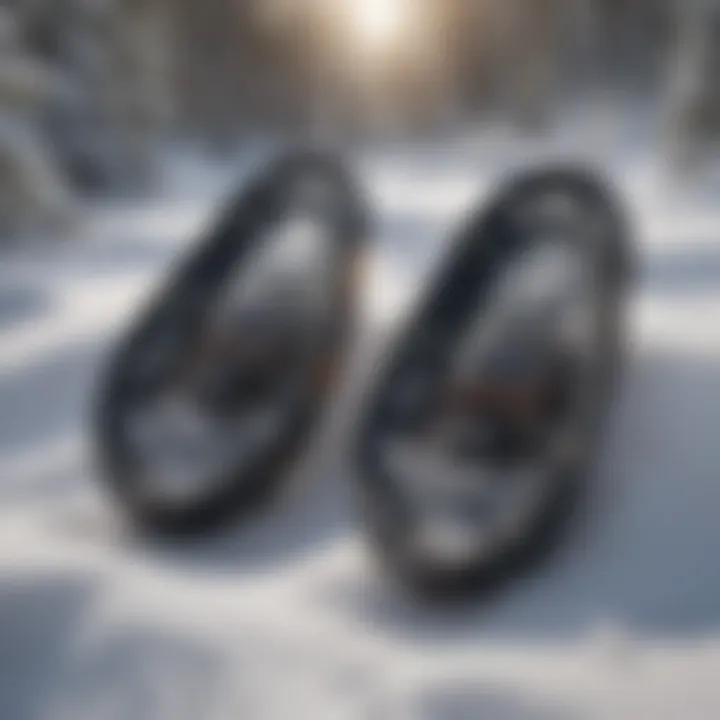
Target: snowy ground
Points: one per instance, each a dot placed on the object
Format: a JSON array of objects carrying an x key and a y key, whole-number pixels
[{"x": 288, "y": 618}]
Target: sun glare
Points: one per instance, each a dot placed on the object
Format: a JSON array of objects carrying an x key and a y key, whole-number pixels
[{"x": 380, "y": 22}]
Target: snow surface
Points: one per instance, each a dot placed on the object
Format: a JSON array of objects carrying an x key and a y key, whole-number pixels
[{"x": 288, "y": 617}]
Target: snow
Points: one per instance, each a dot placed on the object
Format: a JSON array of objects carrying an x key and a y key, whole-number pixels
[{"x": 288, "y": 617}]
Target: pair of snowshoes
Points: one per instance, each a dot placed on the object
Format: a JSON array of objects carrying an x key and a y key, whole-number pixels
[{"x": 478, "y": 431}]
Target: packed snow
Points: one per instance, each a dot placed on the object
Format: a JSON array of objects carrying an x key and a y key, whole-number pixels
[{"x": 289, "y": 616}]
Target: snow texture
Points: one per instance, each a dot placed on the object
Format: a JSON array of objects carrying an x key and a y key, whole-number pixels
[{"x": 289, "y": 617}]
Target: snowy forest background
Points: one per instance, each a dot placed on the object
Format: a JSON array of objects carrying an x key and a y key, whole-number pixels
[{"x": 92, "y": 91}]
